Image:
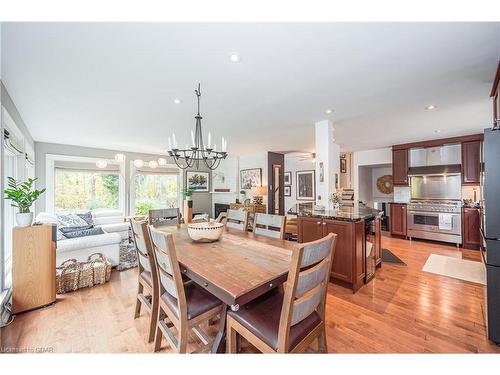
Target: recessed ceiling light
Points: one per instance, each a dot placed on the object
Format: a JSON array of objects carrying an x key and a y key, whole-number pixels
[
  {"x": 329, "y": 111},
  {"x": 429, "y": 107},
  {"x": 437, "y": 131},
  {"x": 177, "y": 101},
  {"x": 234, "y": 57}
]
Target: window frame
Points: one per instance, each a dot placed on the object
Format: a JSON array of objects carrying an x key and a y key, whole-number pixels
[
  {"x": 50, "y": 176},
  {"x": 168, "y": 169}
]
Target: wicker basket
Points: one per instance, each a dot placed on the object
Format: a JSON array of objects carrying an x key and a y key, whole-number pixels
[{"x": 72, "y": 275}]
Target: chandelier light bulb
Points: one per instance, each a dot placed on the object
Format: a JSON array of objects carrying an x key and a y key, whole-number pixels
[
  {"x": 101, "y": 163},
  {"x": 209, "y": 140}
]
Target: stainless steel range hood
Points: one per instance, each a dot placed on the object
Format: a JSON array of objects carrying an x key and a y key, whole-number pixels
[{"x": 442, "y": 160}]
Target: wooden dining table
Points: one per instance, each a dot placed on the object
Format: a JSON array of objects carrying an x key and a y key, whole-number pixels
[{"x": 238, "y": 268}]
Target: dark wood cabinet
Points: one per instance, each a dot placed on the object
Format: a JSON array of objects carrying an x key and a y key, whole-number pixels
[
  {"x": 471, "y": 163},
  {"x": 398, "y": 219},
  {"x": 495, "y": 94},
  {"x": 400, "y": 167},
  {"x": 471, "y": 236},
  {"x": 348, "y": 262},
  {"x": 310, "y": 229}
]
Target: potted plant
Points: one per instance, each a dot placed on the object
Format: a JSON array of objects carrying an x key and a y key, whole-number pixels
[
  {"x": 22, "y": 196},
  {"x": 188, "y": 194},
  {"x": 243, "y": 195}
]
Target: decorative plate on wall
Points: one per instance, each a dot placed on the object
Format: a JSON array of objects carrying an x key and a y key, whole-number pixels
[{"x": 385, "y": 185}]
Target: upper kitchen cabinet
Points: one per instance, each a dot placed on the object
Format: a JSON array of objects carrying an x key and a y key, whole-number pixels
[
  {"x": 400, "y": 167},
  {"x": 471, "y": 163},
  {"x": 495, "y": 94}
]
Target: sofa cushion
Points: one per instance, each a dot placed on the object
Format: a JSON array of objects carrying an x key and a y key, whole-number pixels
[
  {"x": 108, "y": 220},
  {"x": 112, "y": 228},
  {"x": 89, "y": 241},
  {"x": 105, "y": 212},
  {"x": 84, "y": 232},
  {"x": 46, "y": 218}
]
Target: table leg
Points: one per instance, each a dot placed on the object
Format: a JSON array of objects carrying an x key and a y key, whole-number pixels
[{"x": 219, "y": 345}]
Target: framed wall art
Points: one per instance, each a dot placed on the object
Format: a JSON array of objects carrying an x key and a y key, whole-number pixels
[
  {"x": 305, "y": 185},
  {"x": 250, "y": 178}
]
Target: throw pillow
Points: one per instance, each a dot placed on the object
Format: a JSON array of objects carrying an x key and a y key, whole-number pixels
[
  {"x": 84, "y": 233},
  {"x": 71, "y": 220},
  {"x": 87, "y": 216},
  {"x": 60, "y": 235}
]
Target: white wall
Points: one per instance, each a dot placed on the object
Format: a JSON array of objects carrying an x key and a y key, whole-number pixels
[
  {"x": 294, "y": 163},
  {"x": 328, "y": 153},
  {"x": 368, "y": 158}
]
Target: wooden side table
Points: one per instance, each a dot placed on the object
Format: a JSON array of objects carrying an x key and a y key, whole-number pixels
[{"x": 33, "y": 267}]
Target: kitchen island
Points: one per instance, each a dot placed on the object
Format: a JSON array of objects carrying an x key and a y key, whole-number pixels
[{"x": 358, "y": 251}]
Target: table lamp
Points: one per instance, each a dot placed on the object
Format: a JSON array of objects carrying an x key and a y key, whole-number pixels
[{"x": 257, "y": 193}]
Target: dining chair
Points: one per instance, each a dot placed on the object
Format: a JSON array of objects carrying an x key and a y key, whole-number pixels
[
  {"x": 222, "y": 218},
  {"x": 148, "y": 288},
  {"x": 237, "y": 219},
  {"x": 289, "y": 321},
  {"x": 164, "y": 216},
  {"x": 182, "y": 305},
  {"x": 269, "y": 225}
]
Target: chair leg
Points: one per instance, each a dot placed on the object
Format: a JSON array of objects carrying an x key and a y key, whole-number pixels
[
  {"x": 231, "y": 338},
  {"x": 153, "y": 319},
  {"x": 138, "y": 303},
  {"x": 158, "y": 337},
  {"x": 322, "y": 346},
  {"x": 183, "y": 339}
]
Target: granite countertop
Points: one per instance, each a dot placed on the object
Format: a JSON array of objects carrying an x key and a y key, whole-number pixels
[{"x": 345, "y": 213}]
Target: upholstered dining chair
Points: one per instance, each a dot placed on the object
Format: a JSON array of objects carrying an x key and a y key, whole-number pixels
[
  {"x": 269, "y": 225},
  {"x": 164, "y": 216},
  {"x": 237, "y": 219},
  {"x": 182, "y": 305},
  {"x": 289, "y": 322},
  {"x": 148, "y": 289}
]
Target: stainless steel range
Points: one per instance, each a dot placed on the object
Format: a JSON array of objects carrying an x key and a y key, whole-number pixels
[{"x": 439, "y": 220}]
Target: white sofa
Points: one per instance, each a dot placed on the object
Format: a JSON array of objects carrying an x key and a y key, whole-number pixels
[{"x": 112, "y": 223}]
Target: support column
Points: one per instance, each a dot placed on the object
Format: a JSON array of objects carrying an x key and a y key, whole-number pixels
[{"x": 327, "y": 163}]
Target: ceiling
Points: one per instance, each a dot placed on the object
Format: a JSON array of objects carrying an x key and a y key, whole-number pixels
[{"x": 113, "y": 85}]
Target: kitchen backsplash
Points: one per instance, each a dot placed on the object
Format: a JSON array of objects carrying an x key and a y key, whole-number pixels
[{"x": 402, "y": 194}]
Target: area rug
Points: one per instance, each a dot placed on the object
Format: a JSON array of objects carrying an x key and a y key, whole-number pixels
[
  {"x": 389, "y": 257},
  {"x": 128, "y": 256},
  {"x": 456, "y": 268}
]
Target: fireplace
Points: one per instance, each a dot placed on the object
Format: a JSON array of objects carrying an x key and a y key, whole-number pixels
[{"x": 220, "y": 207}]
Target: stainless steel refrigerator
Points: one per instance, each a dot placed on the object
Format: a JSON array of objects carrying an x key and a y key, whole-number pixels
[{"x": 490, "y": 229}]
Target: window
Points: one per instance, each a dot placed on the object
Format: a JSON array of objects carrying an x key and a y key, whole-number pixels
[
  {"x": 155, "y": 190},
  {"x": 82, "y": 190},
  {"x": 11, "y": 170}
]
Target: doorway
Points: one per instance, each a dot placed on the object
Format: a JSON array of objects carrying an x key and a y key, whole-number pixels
[{"x": 276, "y": 178}]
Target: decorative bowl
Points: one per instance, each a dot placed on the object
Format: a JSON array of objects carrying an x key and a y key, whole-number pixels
[{"x": 205, "y": 232}]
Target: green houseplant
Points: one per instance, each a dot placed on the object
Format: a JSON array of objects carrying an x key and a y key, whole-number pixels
[
  {"x": 187, "y": 194},
  {"x": 22, "y": 196}
]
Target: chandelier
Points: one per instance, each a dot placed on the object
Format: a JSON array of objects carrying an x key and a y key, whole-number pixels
[{"x": 190, "y": 157}]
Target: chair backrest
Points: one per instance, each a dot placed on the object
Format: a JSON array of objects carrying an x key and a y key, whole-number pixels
[
  {"x": 169, "y": 272},
  {"x": 144, "y": 249},
  {"x": 269, "y": 225},
  {"x": 222, "y": 218},
  {"x": 164, "y": 216},
  {"x": 307, "y": 284},
  {"x": 237, "y": 219}
]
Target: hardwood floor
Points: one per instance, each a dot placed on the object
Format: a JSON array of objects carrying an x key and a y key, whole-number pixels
[{"x": 403, "y": 310}]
